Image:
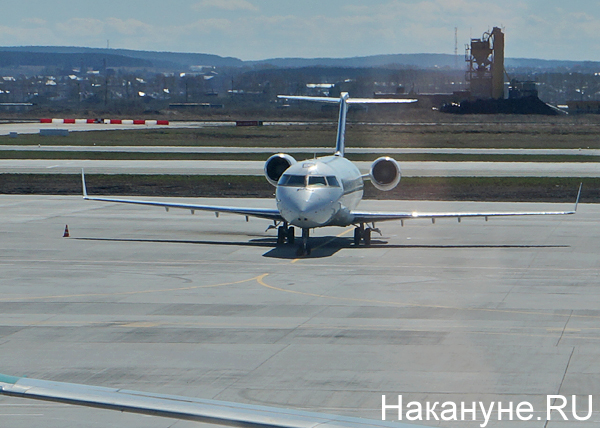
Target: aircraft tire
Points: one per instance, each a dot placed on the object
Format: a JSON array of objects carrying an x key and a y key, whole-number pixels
[
  {"x": 367, "y": 237},
  {"x": 291, "y": 235},
  {"x": 357, "y": 236},
  {"x": 281, "y": 235},
  {"x": 303, "y": 250}
]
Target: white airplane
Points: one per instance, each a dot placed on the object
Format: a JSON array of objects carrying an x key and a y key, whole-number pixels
[
  {"x": 312, "y": 193},
  {"x": 325, "y": 191}
]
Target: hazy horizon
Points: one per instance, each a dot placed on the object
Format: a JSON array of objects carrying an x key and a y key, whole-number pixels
[
  {"x": 461, "y": 54},
  {"x": 266, "y": 29}
]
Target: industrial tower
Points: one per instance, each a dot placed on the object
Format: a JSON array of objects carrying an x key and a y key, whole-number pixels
[{"x": 485, "y": 58}]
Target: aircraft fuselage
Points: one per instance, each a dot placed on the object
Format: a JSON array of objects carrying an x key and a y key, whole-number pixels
[{"x": 319, "y": 192}]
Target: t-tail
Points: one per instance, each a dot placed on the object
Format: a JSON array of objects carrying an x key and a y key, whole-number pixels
[{"x": 344, "y": 100}]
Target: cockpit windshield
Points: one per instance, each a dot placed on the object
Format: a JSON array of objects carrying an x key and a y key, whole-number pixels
[
  {"x": 332, "y": 181},
  {"x": 316, "y": 180},
  {"x": 292, "y": 180},
  {"x": 308, "y": 181}
]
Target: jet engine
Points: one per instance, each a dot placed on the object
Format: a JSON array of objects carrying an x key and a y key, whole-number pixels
[
  {"x": 385, "y": 173},
  {"x": 276, "y": 165}
]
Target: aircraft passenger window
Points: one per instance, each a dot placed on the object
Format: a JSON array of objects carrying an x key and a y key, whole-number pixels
[
  {"x": 332, "y": 181},
  {"x": 314, "y": 180},
  {"x": 292, "y": 180}
]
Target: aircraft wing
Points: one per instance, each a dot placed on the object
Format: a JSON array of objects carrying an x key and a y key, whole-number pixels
[
  {"x": 176, "y": 407},
  {"x": 270, "y": 214},
  {"x": 373, "y": 217}
]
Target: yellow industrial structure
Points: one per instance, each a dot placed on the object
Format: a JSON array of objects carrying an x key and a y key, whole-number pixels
[{"x": 485, "y": 58}]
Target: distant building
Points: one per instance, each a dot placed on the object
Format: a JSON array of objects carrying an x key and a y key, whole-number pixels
[{"x": 584, "y": 107}]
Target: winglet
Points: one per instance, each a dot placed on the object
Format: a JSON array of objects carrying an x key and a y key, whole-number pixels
[
  {"x": 578, "y": 195},
  {"x": 85, "y": 195}
]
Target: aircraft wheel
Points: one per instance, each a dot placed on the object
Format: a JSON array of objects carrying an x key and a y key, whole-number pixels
[
  {"x": 303, "y": 250},
  {"x": 367, "y": 237},
  {"x": 281, "y": 232},
  {"x": 357, "y": 236},
  {"x": 290, "y": 235}
]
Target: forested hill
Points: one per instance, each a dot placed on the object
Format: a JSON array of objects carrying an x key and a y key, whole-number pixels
[{"x": 178, "y": 61}]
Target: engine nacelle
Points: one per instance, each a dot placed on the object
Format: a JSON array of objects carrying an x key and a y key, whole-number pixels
[
  {"x": 385, "y": 173},
  {"x": 276, "y": 165}
]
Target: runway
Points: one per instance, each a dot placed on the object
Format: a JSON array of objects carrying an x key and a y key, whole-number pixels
[
  {"x": 292, "y": 150},
  {"x": 505, "y": 310},
  {"x": 211, "y": 167}
]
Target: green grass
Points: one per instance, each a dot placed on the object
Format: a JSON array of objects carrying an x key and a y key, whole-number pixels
[
  {"x": 470, "y": 135},
  {"x": 526, "y": 189}
]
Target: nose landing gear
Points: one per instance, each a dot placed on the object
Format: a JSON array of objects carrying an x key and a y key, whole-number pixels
[
  {"x": 304, "y": 249},
  {"x": 286, "y": 234}
]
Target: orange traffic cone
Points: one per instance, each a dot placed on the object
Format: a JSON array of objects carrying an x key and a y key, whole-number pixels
[{"x": 66, "y": 234}]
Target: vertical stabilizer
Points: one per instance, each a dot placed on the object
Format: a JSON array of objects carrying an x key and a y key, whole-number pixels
[
  {"x": 340, "y": 142},
  {"x": 344, "y": 100}
]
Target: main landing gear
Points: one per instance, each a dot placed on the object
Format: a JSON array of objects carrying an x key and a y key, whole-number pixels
[
  {"x": 285, "y": 234},
  {"x": 364, "y": 234}
]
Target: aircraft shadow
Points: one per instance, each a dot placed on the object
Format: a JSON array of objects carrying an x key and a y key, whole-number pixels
[
  {"x": 252, "y": 243},
  {"x": 321, "y": 246}
]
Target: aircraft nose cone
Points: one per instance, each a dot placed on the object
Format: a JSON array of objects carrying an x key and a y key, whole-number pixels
[{"x": 305, "y": 208}]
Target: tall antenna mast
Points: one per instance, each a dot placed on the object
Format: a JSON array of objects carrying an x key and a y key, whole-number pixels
[{"x": 456, "y": 47}]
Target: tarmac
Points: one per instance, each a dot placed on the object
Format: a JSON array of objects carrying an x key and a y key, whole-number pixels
[{"x": 505, "y": 310}]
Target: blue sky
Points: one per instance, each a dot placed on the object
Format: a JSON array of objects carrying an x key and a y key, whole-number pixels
[{"x": 259, "y": 29}]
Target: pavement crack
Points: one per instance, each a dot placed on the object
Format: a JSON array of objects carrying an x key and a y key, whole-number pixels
[
  {"x": 564, "y": 328},
  {"x": 562, "y": 381},
  {"x": 302, "y": 325},
  {"x": 215, "y": 397}
]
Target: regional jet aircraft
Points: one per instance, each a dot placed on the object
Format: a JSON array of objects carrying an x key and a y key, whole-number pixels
[{"x": 325, "y": 191}]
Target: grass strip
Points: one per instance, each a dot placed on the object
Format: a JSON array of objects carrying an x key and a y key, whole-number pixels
[{"x": 475, "y": 135}]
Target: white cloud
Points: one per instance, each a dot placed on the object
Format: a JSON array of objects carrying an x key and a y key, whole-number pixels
[
  {"x": 230, "y": 5},
  {"x": 82, "y": 27},
  {"x": 18, "y": 36},
  {"x": 34, "y": 21},
  {"x": 128, "y": 27}
]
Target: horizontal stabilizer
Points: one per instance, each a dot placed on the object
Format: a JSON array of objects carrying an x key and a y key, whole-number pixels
[
  {"x": 343, "y": 100},
  {"x": 332, "y": 100}
]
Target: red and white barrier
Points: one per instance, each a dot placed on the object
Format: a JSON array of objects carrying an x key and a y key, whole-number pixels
[{"x": 107, "y": 121}]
